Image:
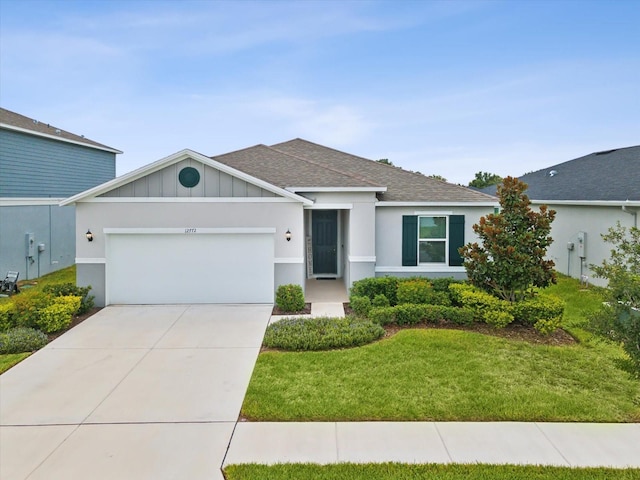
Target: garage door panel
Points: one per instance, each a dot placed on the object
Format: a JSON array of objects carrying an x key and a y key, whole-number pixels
[{"x": 202, "y": 268}]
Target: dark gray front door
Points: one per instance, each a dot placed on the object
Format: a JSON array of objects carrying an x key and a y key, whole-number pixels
[{"x": 324, "y": 227}]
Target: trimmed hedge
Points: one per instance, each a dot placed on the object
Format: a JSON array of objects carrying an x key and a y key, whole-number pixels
[
  {"x": 22, "y": 339},
  {"x": 544, "y": 312},
  {"x": 370, "y": 287},
  {"x": 7, "y": 316},
  {"x": 414, "y": 291},
  {"x": 321, "y": 333},
  {"x": 410, "y": 314},
  {"x": 69, "y": 289},
  {"x": 290, "y": 298},
  {"x": 57, "y": 316},
  {"x": 360, "y": 305}
]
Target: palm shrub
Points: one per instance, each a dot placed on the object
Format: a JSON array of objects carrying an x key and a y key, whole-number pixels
[{"x": 290, "y": 298}]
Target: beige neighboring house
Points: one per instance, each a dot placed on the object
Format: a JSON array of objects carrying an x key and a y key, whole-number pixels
[
  {"x": 590, "y": 194},
  {"x": 232, "y": 228}
]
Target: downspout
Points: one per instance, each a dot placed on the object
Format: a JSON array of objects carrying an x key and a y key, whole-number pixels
[{"x": 631, "y": 212}]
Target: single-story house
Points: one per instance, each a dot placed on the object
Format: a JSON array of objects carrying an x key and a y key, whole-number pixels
[
  {"x": 232, "y": 228},
  {"x": 41, "y": 165},
  {"x": 590, "y": 194}
]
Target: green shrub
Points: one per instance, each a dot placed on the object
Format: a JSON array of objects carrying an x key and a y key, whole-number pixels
[
  {"x": 497, "y": 318},
  {"x": 322, "y": 333},
  {"x": 543, "y": 307},
  {"x": 58, "y": 316},
  {"x": 21, "y": 339},
  {"x": 439, "y": 298},
  {"x": 69, "y": 289},
  {"x": 415, "y": 290},
  {"x": 380, "y": 300},
  {"x": 370, "y": 287},
  {"x": 290, "y": 298},
  {"x": 409, "y": 313},
  {"x": 442, "y": 284},
  {"x": 360, "y": 305},
  {"x": 27, "y": 307},
  {"x": 438, "y": 313},
  {"x": 547, "y": 326},
  {"x": 7, "y": 316},
  {"x": 383, "y": 315},
  {"x": 480, "y": 302}
]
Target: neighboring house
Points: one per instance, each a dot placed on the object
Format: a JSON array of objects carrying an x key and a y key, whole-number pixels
[
  {"x": 232, "y": 228},
  {"x": 589, "y": 194},
  {"x": 40, "y": 165}
]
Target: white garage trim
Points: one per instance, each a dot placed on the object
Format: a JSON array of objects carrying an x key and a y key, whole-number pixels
[
  {"x": 206, "y": 265},
  {"x": 188, "y": 230}
]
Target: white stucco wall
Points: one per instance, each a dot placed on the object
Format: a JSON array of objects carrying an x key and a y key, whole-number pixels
[
  {"x": 281, "y": 215},
  {"x": 388, "y": 234},
  {"x": 594, "y": 221}
]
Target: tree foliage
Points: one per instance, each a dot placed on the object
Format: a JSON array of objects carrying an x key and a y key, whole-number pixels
[
  {"x": 620, "y": 319},
  {"x": 386, "y": 161},
  {"x": 485, "y": 179},
  {"x": 510, "y": 261},
  {"x": 438, "y": 177}
]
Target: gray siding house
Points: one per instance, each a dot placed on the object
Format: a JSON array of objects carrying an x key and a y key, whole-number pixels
[
  {"x": 232, "y": 228},
  {"x": 40, "y": 165},
  {"x": 590, "y": 194}
]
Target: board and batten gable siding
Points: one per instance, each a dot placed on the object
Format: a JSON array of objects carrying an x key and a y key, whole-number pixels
[
  {"x": 33, "y": 166},
  {"x": 165, "y": 183}
]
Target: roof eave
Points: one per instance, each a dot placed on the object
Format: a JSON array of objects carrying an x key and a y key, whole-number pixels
[
  {"x": 443, "y": 203},
  {"x": 60, "y": 139}
]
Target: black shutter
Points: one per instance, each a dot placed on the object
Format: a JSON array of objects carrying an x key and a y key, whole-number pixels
[
  {"x": 409, "y": 240},
  {"x": 456, "y": 239}
]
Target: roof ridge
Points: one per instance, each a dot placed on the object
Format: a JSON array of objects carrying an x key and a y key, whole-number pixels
[{"x": 346, "y": 174}]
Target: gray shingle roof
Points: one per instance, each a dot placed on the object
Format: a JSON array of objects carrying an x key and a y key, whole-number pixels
[
  {"x": 300, "y": 163},
  {"x": 612, "y": 175},
  {"x": 13, "y": 119}
]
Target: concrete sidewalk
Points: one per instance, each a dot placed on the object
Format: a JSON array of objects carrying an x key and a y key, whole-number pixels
[{"x": 560, "y": 444}]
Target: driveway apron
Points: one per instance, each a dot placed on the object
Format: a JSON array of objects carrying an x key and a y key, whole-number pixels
[{"x": 134, "y": 392}]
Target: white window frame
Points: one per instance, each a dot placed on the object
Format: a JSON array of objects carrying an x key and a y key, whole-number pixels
[{"x": 444, "y": 240}]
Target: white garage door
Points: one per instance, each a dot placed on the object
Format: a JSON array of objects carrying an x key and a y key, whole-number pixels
[{"x": 197, "y": 268}]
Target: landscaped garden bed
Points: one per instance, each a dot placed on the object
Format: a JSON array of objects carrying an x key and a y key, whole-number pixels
[
  {"x": 455, "y": 372},
  {"x": 45, "y": 309}
]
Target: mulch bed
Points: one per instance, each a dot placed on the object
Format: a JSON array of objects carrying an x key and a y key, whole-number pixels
[
  {"x": 513, "y": 331},
  {"x": 306, "y": 311},
  {"x": 78, "y": 319}
]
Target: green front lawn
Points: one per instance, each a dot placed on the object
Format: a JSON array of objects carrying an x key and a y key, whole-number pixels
[
  {"x": 395, "y": 471},
  {"x": 450, "y": 375},
  {"x": 10, "y": 359}
]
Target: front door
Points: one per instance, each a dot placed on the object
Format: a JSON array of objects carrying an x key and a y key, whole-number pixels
[{"x": 324, "y": 243}]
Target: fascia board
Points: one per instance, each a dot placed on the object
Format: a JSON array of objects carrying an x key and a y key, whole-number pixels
[{"x": 59, "y": 139}]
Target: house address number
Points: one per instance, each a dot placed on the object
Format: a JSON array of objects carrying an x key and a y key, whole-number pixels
[{"x": 190, "y": 230}]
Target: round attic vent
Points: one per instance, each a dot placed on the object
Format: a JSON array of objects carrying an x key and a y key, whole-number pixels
[{"x": 189, "y": 177}]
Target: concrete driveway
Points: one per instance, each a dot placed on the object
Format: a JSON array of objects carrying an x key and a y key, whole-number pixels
[{"x": 134, "y": 392}]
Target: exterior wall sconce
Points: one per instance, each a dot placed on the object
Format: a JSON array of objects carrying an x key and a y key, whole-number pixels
[
  {"x": 89, "y": 236},
  {"x": 287, "y": 235}
]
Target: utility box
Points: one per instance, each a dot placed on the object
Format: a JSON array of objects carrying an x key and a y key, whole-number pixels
[
  {"x": 582, "y": 244},
  {"x": 30, "y": 244}
]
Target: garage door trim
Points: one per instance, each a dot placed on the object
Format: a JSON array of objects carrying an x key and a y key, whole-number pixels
[{"x": 189, "y": 230}]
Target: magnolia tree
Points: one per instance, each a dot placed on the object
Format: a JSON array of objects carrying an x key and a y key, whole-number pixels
[{"x": 509, "y": 262}]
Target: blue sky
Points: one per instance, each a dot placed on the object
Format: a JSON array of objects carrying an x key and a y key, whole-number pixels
[{"x": 440, "y": 87}]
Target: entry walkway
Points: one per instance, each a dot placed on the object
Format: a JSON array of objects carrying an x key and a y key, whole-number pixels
[{"x": 560, "y": 444}]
